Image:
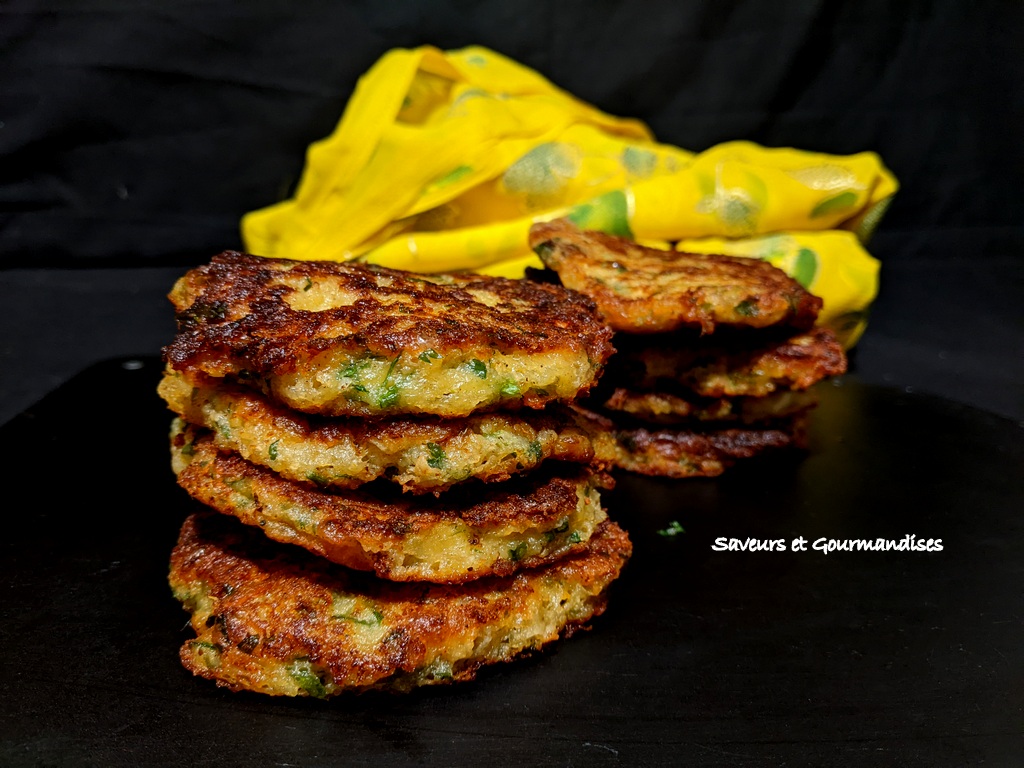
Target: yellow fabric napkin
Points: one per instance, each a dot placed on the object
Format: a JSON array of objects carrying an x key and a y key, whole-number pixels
[{"x": 443, "y": 159}]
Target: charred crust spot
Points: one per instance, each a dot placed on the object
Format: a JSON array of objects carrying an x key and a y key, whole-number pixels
[{"x": 200, "y": 313}]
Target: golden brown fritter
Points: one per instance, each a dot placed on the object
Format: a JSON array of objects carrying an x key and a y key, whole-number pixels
[
  {"x": 681, "y": 452},
  {"x": 665, "y": 408},
  {"x": 739, "y": 368},
  {"x": 420, "y": 453},
  {"x": 459, "y": 536},
  {"x": 646, "y": 290},
  {"x": 273, "y": 620},
  {"x": 347, "y": 339}
]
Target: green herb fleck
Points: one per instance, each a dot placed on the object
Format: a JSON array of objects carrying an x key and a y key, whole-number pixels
[
  {"x": 747, "y": 308},
  {"x": 302, "y": 673},
  {"x": 352, "y": 369},
  {"x": 308, "y": 284},
  {"x": 562, "y": 527},
  {"x": 439, "y": 670},
  {"x": 316, "y": 477},
  {"x": 375, "y": 619},
  {"x": 428, "y": 355},
  {"x": 435, "y": 456},
  {"x": 241, "y": 485},
  {"x": 673, "y": 529},
  {"x": 575, "y": 537},
  {"x": 208, "y": 652},
  {"x": 388, "y": 396},
  {"x": 510, "y": 389},
  {"x": 627, "y": 441},
  {"x": 200, "y": 313},
  {"x": 533, "y": 450},
  {"x": 272, "y": 450},
  {"x": 478, "y": 367},
  {"x": 518, "y": 552}
]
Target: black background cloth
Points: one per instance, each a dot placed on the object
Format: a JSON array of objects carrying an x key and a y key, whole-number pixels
[{"x": 141, "y": 132}]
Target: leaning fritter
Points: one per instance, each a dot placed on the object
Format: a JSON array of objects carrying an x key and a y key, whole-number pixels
[{"x": 648, "y": 290}]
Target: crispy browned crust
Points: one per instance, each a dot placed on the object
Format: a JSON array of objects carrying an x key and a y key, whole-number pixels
[
  {"x": 422, "y": 454},
  {"x": 740, "y": 368},
  {"x": 682, "y": 452},
  {"x": 273, "y": 620},
  {"x": 462, "y": 535},
  {"x": 666, "y": 408},
  {"x": 243, "y": 315},
  {"x": 647, "y": 290}
]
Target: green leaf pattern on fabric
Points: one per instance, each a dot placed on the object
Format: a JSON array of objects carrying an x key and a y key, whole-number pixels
[
  {"x": 757, "y": 189},
  {"x": 639, "y": 163},
  {"x": 543, "y": 171},
  {"x": 805, "y": 267},
  {"x": 736, "y": 208},
  {"x": 608, "y": 212},
  {"x": 451, "y": 177},
  {"x": 834, "y": 204}
]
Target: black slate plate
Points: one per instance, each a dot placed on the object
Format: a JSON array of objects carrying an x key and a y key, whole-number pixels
[{"x": 704, "y": 657}]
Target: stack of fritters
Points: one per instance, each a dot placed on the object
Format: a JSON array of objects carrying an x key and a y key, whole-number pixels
[
  {"x": 412, "y": 434},
  {"x": 715, "y": 354}
]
